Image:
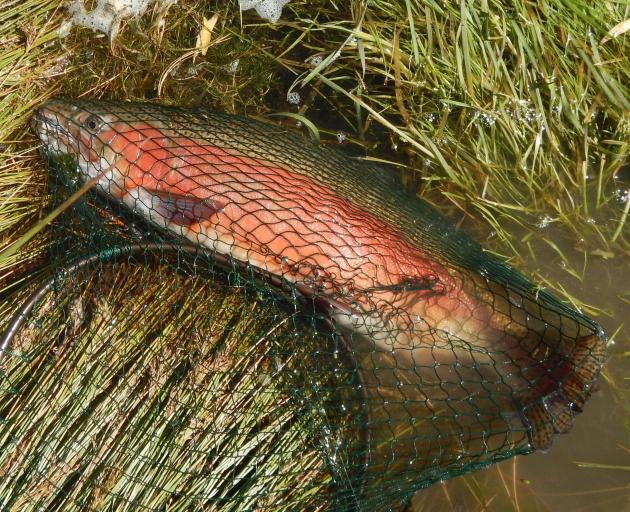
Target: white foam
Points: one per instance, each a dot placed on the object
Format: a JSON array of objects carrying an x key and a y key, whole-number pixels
[
  {"x": 107, "y": 14},
  {"x": 266, "y": 9}
]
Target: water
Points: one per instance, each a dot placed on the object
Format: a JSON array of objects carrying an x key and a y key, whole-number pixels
[{"x": 554, "y": 481}]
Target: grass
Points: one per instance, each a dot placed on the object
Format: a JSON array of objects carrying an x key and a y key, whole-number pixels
[
  {"x": 153, "y": 382},
  {"x": 109, "y": 397},
  {"x": 512, "y": 117}
]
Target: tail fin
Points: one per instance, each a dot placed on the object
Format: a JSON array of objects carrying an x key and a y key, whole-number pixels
[
  {"x": 501, "y": 376},
  {"x": 551, "y": 411},
  {"x": 557, "y": 355}
]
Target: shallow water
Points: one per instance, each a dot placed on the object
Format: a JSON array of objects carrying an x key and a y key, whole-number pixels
[{"x": 553, "y": 481}]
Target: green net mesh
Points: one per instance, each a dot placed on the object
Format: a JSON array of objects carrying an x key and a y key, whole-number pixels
[{"x": 236, "y": 319}]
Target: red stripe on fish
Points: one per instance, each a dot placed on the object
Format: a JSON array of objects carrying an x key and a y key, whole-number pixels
[{"x": 271, "y": 209}]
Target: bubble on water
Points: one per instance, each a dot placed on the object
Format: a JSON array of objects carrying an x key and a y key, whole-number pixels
[
  {"x": 269, "y": 10},
  {"x": 544, "y": 221},
  {"x": 232, "y": 67},
  {"x": 107, "y": 14},
  {"x": 528, "y": 113},
  {"x": 294, "y": 98},
  {"x": 316, "y": 60},
  {"x": 487, "y": 118},
  {"x": 622, "y": 195},
  {"x": 430, "y": 117},
  {"x": 524, "y": 111}
]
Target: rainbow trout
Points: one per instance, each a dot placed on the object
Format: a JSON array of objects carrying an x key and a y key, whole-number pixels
[{"x": 463, "y": 341}]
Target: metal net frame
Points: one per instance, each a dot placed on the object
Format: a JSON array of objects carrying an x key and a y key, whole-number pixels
[{"x": 237, "y": 319}]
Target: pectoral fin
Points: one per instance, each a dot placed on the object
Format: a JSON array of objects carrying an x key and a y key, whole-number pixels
[{"x": 184, "y": 210}]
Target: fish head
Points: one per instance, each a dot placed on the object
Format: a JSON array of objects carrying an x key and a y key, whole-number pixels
[{"x": 89, "y": 136}]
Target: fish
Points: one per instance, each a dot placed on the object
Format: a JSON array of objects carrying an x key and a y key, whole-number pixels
[{"x": 463, "y": 356}]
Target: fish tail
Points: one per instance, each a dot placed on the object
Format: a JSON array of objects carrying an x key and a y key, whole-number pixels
[
  {"x": 586, "y": 362},
  {"x": 550, "y": 406},
  {"x": 549, "y": 358}
]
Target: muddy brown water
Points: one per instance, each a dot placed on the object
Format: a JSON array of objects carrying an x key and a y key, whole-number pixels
[{"x": 554, "y": 480}]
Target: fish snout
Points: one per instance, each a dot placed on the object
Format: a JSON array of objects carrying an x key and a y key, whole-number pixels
[
  {"x": 52, "y": 123},
  {"x": 38, "y": 121},
  {"x": 53, "y": 114}
]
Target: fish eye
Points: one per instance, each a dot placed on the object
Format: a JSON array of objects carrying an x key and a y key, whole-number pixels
[{"x": 92, "y": 123}]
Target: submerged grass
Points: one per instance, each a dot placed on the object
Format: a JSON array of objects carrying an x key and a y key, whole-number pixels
[
  {"x": 120, "y": 409},
  {"x": 514, "y": 117}
]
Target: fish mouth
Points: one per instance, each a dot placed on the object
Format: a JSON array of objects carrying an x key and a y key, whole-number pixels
[{"x": 48, "y": 124}]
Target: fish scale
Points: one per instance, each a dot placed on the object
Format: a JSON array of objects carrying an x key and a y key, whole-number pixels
[{"x": 448, "y": 333}]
